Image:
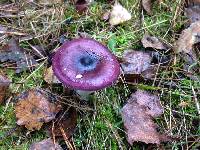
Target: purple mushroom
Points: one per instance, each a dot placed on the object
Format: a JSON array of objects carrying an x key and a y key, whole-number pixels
[{"x": 85, "y": 64}]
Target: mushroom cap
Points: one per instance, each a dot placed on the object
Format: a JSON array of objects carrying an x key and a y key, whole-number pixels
[{"x": 85, "y": 64}]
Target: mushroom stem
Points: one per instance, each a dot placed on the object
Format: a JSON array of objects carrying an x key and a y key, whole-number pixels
[{"x": 84, "y": 95}]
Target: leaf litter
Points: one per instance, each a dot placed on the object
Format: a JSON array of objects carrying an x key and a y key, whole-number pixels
[
  {"x": 141, "y": 108},
  {"x": 193, "y": 13},
  {"x": 185, "y": 44},
  {"x": 118, "y": 15},
  {"x": 35, "y": 107},
  {"x": 4, "y": 86},
  {"x": 147, "y": 5},
  {"x": 46, "y": 144},
  {"x": 13, "y": 53},
  {"x": 49, "y": 76},
  {"x": 154, "y": 42},
  {"x": 66, "y": 120},
  {"x": 135, "y": 62},
  {"x": 138, "y": 116},
  {"x": 136, "y": 65}
]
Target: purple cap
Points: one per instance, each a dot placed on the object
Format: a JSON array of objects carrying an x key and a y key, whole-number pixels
[{"x": 85, "y": 64}]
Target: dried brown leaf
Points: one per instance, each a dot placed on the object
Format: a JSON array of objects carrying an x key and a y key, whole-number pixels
[
  {"x": 46, "y": 144},
  {"x": 138, "y": 116},
  {"x": 147, "y": 5},
  {"x": 139, "y": 124},
  {"x": 193, "y": 13},
  {"x": 4, "y": 85},
  {"x": 135, "y": 62},
  {"x": 150, "y": 101},
  {"x": 13, "y": 53},
  {"x": 81, "y": 6},
  {"x": 34, "y": 107},
  {"x": 118, "y": 15},
  {"x": 183, "y": 104},
  {"x": 67, "y": 121},
  {"x": 149, "y": 73},
  {"x": 188, "y": 38},
  {"x": 154, "y": 42},
  {"x": 186, "y": 46},
  {"x": 49, "y": 76}
]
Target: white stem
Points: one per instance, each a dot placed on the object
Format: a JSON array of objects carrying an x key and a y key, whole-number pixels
[{"x": 84, "y": 94}]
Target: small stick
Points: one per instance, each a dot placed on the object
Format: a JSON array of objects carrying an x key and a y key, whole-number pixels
[
  {"x": 66, "y": 139},
  {"x": 53, "y": 135},
  {"x": 196, "y": 101}
]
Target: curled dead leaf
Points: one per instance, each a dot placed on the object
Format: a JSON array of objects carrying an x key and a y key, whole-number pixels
[
  {"x": 13, "y": 53},
  {"x": 188, "y": 38},
  {"x": 135, "y": 62},
  {"x": 49, "y": 76},
  {"x": 46, "y": 144},
  {"x": 154, "y": 42},
  {"x": 147, "y": 5},
  {"x": 138, "y": 115},
  {"x": 4, "y": 85},
  {"x": 193, "y": 13},
  {"x": 118, "y": 15},
  {"x": 185, "y": 46},
  {"x": 34, "y": 107}
]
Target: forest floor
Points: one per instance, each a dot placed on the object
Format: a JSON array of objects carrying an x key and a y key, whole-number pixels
[{"x": 99, "y": 122}]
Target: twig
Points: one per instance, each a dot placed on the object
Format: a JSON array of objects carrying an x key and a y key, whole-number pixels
[
  {"x": 66, "y": 139},
  {"x": 196, "y": 101}
]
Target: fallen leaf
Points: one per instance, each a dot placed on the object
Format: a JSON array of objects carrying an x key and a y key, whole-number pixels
[
  {"x": 46, "y": 144},
  {"x": 138, "y": 119},
  {"x": 66, "y": 120},
  {"x": 147, "y": 5},
  {"x": 4, "y": 85},
  {"x": 154, "y": 42},
  {"x": 185, "y": 47},
  {"x": 188, "y": 38},
  {"x": 193, "y": 13},
  {"x": 34, "y": 107},
  {"x": 14, "y": 54},
  {"x": 183, "y": 104},
  {"x": 149, "y": 73},
  {"x": 81, "y": 6},
  {"x": 135, "y": 62},
  {"x": 150, "y": 101},
  {"x": 119, "y": 15},
  {"x": 49, "y": 76},
  {"x": 139, "y": 125}
]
